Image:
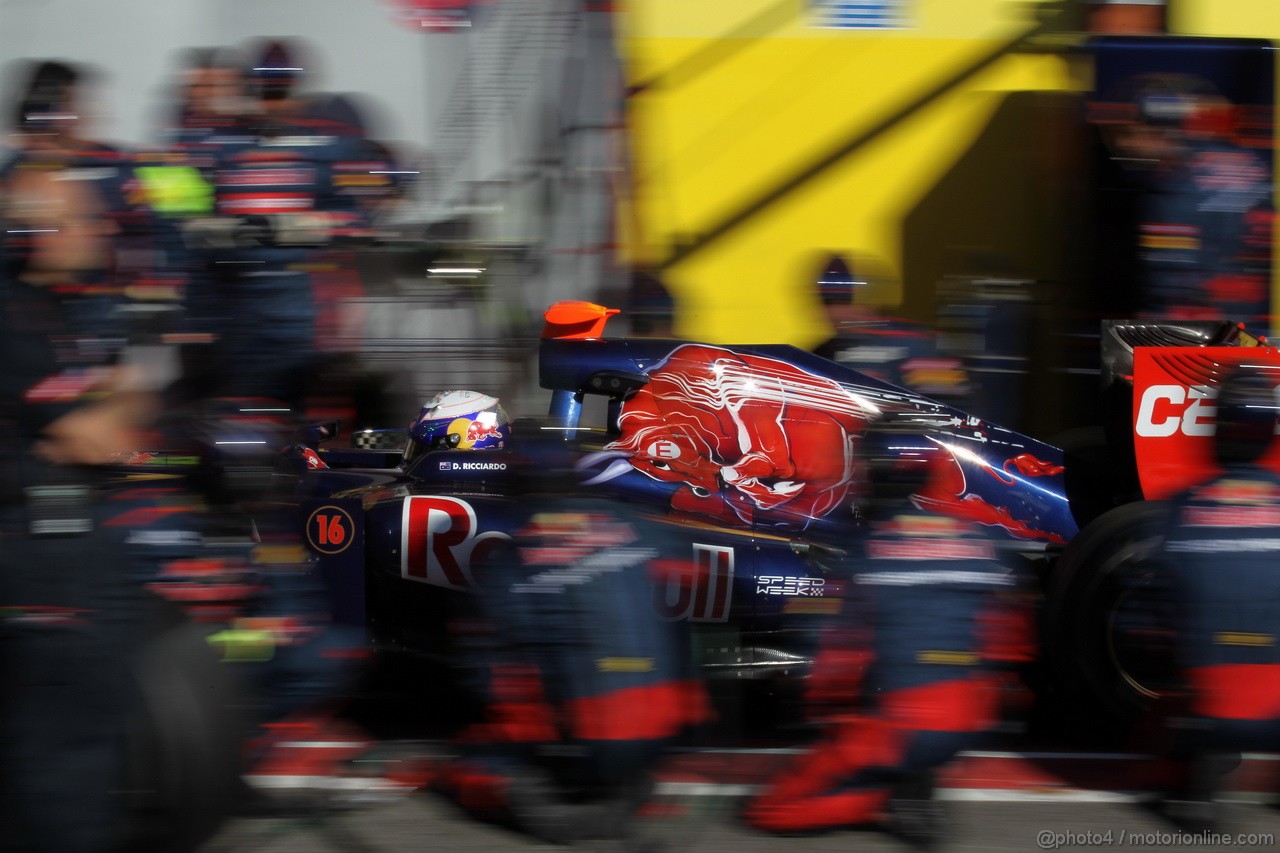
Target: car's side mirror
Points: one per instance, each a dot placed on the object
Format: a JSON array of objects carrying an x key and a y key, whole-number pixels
[{"x": 615, "y": 383}]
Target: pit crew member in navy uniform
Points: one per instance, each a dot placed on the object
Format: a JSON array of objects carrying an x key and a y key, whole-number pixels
[
  {"x": 71, "y": 604},
  {"x": 363, "y": 179},
  {"x": 275, "y": 206},
  {"x": 1205, "y": 210},
  {"x": 903, "y": 675},
  {"x": 1219, "y": 555},
  {"x": 278, "y": 204},
  {"x": 49, "y": 132},
  {"x": 584, "y": 684},
  {"x": 893, "y": 350}
]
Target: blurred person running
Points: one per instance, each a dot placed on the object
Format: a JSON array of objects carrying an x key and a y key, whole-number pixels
[
  {"x": 904, "y": 679},
  {"x": 1227, "y": 620},
  {"x": 72, "y": 608},
  {"x": 583, "y": 685},
  {"x": 887, "y": 348}
]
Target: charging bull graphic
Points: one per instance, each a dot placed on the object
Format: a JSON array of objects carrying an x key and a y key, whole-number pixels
[
  {"x": 949, "y": 492},
  {"x": 748, "y": 438}
]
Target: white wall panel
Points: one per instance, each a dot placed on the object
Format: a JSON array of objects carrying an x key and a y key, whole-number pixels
[
  {"x": 359, "y": 47},
  {"x": 129, "y": 40}
]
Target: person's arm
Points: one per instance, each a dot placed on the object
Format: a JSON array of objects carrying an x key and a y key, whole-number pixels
[{"x": 99, "y": 432}]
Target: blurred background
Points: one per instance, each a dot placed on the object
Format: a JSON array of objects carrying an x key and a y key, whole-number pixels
[
  {"x": 953, "y": 153},
  {"x": 962, "y": 190}
]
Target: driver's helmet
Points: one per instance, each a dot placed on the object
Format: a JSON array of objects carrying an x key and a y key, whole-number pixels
[{"x": 461, "y": 420}]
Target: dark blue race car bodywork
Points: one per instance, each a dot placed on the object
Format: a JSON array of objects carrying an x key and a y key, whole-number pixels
[{"x": 752, "y": 452}]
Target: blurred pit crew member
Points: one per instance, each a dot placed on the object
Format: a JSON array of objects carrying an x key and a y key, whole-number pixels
[
  {"x": 279, "y": 206},
  {"x": 208, "y": 106},
  {"x": 211, "y": 93},
  {"x": 46, "y": 114},
  {"x": 889, "y": 349},
  {"x": 276, "y": 207},
  {"x": 230, "y": 556},
  {"x": 1219, "y": 556},
  {"x": 49, "y": 131},
  {"x": 366, "y": 175},
  {"x": 904, "y": 678},
  {"x": 72, "y": 400},
  {"x": 365, "y": 178},
  {"x": 242, "y": 395},
  {"x": 209, "y": 109},
  {"x": 583, "y": 685},
  {"x": 295, "y": 653},
  {"x": 653, "y": 311},
  {"x": 1204, "y": 206}
]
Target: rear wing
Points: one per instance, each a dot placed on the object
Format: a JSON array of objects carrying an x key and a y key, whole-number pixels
[{"x": 1173, "y": 411}]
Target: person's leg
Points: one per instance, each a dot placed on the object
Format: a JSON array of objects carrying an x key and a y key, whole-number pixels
[
  {"x": 840, "y": 782},
  {"x": 65, "y": 645},
  {"x": 64, "y": 735},
  {"x": 914, "y": 812},
  {"x": 1205, "y": 750},
  {"x": 940, "y": 719}
]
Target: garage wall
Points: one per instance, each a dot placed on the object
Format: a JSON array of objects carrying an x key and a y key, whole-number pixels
[
  {"x": 481, "y": 103},
  {"x": 360, "y": 46},
  {"x": 111, "y": 37}
]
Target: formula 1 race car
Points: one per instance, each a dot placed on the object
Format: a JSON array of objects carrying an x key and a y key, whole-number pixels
[{"x": 752, "y": 452}]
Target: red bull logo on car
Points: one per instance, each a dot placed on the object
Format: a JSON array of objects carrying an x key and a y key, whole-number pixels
[
  {"x": 439, "y": 540},
  {"x": 697, "y": 591}
]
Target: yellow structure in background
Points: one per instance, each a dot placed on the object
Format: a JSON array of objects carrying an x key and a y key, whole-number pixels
[
  {"x": 732, "y": 99},
  {"x": 1247, "y": 18},
  {"x": 757, "y": 109}
]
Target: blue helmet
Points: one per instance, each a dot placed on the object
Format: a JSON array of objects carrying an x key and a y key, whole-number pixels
[{"x": 462, "y": 420}]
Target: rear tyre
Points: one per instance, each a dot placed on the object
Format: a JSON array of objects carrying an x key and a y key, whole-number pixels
[{"x": 1107, "y": 634}]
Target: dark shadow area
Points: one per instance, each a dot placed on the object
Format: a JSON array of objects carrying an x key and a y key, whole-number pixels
[{"x": 1013, "y": 208}]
